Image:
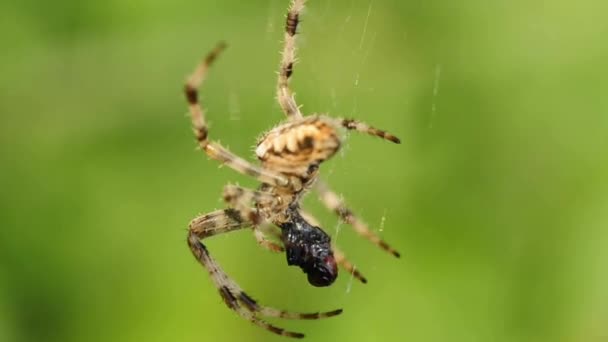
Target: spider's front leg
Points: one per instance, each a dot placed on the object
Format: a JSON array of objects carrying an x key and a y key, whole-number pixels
[
  {"x": 223, "y": 221},
  {"x": 242, "y": 199}
]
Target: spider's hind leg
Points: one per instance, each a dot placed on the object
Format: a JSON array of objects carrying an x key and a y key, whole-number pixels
[{"x": 242, "y": 199}]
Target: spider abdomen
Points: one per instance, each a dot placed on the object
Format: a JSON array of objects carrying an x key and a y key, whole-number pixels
[{"x": 292, "y": 147}]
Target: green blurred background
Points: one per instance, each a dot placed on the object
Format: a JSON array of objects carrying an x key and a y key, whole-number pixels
[{"x": 497, "y": 197}]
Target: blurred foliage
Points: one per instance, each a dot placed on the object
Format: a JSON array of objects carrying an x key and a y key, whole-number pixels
[{"x": 497, "y": 197}]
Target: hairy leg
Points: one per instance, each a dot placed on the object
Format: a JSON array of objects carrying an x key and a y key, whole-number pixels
[
  {"x": 201, "y": 131},
  {"x": 362, "y": 127},
  {"x": 284, "y": 93},
  {"x": 223, "y": 221},
  {"x": 337, "y": 205},
  {"x": 243, "y": 199},
  {"x": 338, "y": 254}
]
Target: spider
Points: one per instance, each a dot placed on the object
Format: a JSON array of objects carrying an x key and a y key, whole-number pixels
[{"x": 289, "y": 155}]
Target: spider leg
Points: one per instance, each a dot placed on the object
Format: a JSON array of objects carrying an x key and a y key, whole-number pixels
[
  {"x": 201, "y": 131},
  {"x": 284, "y": 94},
  {"x": 355, "y": 125},
  {"x": 241, "y": 199},
  {"x": 334, "y": 203},
  {"x": 338, "y": 254},
  {"x": 260, "y": 237},
  {"x": 223, "y": 221},
  {"x": 347, "y": 265},
  {"x": 272, "y": 312}
]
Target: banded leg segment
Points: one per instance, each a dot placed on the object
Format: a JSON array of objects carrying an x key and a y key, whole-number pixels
[
  {"x": 217, "y": 222},
  {"x": 223, "y": 221},
  {"x": 334, "y": 203},
  {"x": 347, "y": 265},
  {"x": 355, "y": 125},
  {"x": 284, "y": 94},
  {"x": 242, "y": 199},
  {"x": 338, "y": 254},
  {"x": 201, "y": 131},
  {"x": 260, "y": 237}
]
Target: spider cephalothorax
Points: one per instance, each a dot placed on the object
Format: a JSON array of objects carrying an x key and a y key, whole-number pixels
[{"x": 290, "y": 156}]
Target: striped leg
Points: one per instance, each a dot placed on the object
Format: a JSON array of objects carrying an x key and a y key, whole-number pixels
[
  {"x": 362, "y": 127},
  {"x": 260, "y": 237},
  {"x": 213, "y": 149},
  {"x": 223, "y": 221},
  {"x": 242, "y": 199},
  {"x": 284, "y": 94},
  {"x": 334, "y": 203},
  {"x": 338, "y": 254},
  {"x": 347, "y": 265}
]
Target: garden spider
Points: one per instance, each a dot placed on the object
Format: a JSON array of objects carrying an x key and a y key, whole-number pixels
[{"x": 290, "y": 155}]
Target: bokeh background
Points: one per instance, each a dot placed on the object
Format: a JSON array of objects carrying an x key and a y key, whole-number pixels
[{"x": 497, "y": 197}]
